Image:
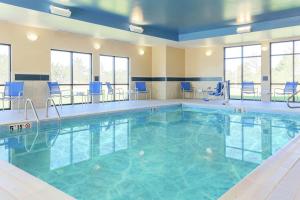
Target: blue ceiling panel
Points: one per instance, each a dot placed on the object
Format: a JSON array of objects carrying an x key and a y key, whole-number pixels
[{"x": 178, "y": 19}]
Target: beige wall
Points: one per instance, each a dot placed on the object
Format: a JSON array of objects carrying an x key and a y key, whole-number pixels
[
  {"x": 167, "y": 62},
  {"x": 197, "y": 64},
  {"x": 175, "y": 62},
  {"x": 34, "y": 57},
  {"x": 158, "y": 61}
]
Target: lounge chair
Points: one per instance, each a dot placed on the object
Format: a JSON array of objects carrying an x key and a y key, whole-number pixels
[
  {"x": 13, "y": 91},
  {"x": 55, "y": 91},
  {"x": 248, "y": 88},
  {"x": 186, "y": 87},
  {"x": 141, "y": 88},
  {"x": 289, "y": 89},
  {"x": 95, "y": 89},
  {"x": 111, "y": 91}
]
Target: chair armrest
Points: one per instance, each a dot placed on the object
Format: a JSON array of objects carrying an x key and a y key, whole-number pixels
[
  {"x": 276, "y": 90},
  {"x": 70, "y": 91}
]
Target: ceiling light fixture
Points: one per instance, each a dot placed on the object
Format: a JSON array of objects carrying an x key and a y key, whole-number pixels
[
  {"x": 32, "y": 36},
  {"x": 136, "y": 29},
  {"x": 243, "y": 29},
  {"x": 60, "y": 11}
]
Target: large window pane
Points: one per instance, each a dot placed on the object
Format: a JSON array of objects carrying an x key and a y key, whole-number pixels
[
  {"x": 64, "y": 64},
  {"x": 235, "y": 91},
  {"x": 233, "y": 69},
  {"x": 4, "y": 63},
  {"x": 282, "y": 48},
  {"x": 243, "y": 64},
  {"x": 253, "y": 50},
  {"x": 282, "y": 68},
  {"x": 61, "y": 67},
  {"x": 81, "y": 68},
  {"x": 297, "y": 67},
  {"x": 4, "y": 70},
  {"x": 233, "y": 52},
  {"x": 252, "y": 69},
  {"x": 121, "y": 71},
  {"x": 107, "y": 69},
  {"x": 116, "y": 71}
]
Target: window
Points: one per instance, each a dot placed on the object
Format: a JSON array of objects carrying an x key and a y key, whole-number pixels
[
  {"x": 116, "y": 71},
  {"x": 243, "y": 63},
  {"x": 73, "y": 71},
  {"x": 285, "y": 67},
  {"x": 5, "y": 53}
]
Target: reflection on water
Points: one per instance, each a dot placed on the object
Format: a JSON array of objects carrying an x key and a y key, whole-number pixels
[{"x": 179, "y": 154}]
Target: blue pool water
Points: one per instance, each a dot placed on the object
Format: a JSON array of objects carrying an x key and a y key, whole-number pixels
[{"x": 176, "y": 153}]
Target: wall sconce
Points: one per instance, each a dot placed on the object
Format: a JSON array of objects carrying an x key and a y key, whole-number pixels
[
  {"x": 97, "y": 46},
  {"x": 141, "y": 52},
  {"x": 32, "y": 36},
  {"x": 264, "y": 48},
  {"x": 208, "y": 53}
]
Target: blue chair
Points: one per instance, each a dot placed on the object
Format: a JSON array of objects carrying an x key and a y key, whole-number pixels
[
  {"x": 248, "y": 88},
  {"x": 289, "y": 89},
  {"x": 141, "y": 88},
  {"x": 55, "y": 91},
  {"x": 111, "y": 91},
  {"x": 95, "y": 89},
  {"x": 186, "y": 87},
  {"x": 13, "y": 91},
  {"x": 218, "y": 90}
]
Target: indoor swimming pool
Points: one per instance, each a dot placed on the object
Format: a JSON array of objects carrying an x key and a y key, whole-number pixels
[{"x": 176, "y": 152}]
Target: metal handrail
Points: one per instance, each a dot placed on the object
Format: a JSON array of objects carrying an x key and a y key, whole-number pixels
[
  {"x": 33, "y": 109},
  {"x": 291, "y": 97},
  {"x": 47, "y": 108}
]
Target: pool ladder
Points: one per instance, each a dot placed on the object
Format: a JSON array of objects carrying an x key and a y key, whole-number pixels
[
  {"x": 50, "y": 100},
  {"x": 290, "y": 98},
  {"x": 29, "y": 101}
]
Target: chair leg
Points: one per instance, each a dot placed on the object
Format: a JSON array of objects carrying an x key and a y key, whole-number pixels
[
  {"x": 60, "y": 101},
  {"x": 18, "y": 104}
]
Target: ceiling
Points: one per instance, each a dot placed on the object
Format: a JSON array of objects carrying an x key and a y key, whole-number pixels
[
  {"x": 39, "y": 19},
  {"x": 177, "y": 20}
]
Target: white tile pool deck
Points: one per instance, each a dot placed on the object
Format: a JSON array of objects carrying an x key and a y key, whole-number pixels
[{"x": 276, "y": 178}]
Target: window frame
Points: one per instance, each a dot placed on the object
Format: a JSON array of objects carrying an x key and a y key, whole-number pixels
[
  {"x": 293, "y": 62},
  {"x": 242, "y": 67},
  {"x": 114, "y": 74},
  {"x": 72, "y": 71},
  {"x": 10, "y": 71}
]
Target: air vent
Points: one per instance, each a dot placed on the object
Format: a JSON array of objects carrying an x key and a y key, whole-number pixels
[
  {"x": 136, "y": 29},
  {"x": 243, "y": 29},
  {"x": 60, "y": 11}
]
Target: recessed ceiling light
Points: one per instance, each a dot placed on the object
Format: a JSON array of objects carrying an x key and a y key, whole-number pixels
[
  {"x": 244, "y": 29},
  {"x": 32, "y": 36},
  {"x": 60, "y": 11}
]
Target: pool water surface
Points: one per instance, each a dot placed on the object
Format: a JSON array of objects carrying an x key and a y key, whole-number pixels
[{"x": 176, "y": 153}]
